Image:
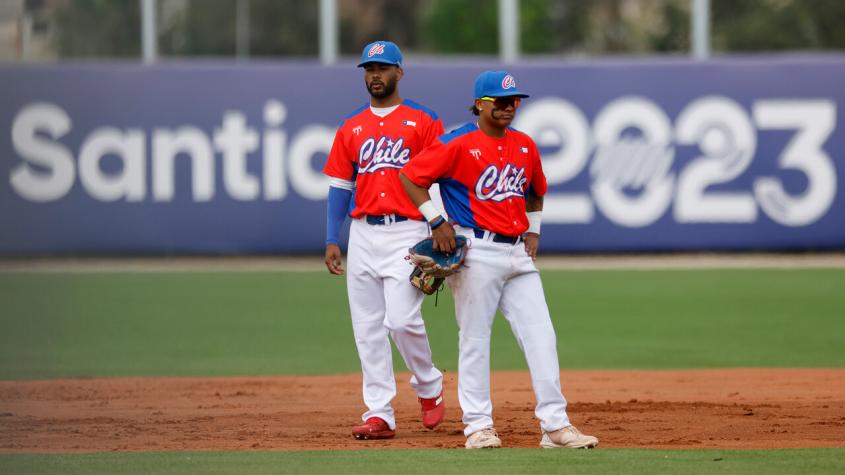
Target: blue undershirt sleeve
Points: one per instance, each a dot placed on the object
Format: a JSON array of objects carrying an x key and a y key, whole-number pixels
[{"x": 336, "y": 210}]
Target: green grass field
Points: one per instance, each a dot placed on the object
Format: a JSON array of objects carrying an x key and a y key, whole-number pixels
[
  {"x": 442, "y": 462},
  {"x": 259, "y": 323}
]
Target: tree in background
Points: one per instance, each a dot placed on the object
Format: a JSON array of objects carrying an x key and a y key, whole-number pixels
[
  {"x": 458, "y": 26},
  {"x": 96, "y": 28},
  {"x": 208, "y": 28},
  {"x": 567, "y": 27},
  {"x": 283, "y": 28},
  {"x": 602, "y": 27},
  {"x": 674, "y": 33},
  {"x": 110, "y": 28},
  {"x": 365, "y": 21},
  {"x": 777, "y": 25},
  {"x": 552, "y": 27},
  {"x": 196, "y": 28}
]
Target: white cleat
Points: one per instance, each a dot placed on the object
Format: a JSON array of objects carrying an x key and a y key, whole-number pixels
[
  {"x": 484, "y": 439},
  {"x": 568, "y": 437}
]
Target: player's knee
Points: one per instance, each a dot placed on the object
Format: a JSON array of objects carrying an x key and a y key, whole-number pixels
[
  {"x": 410, "y": 325},
  {"x": 471, "y": 334}
]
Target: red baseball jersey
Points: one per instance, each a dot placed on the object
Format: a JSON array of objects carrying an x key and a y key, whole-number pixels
[
  {"x": 483, "y": 180},
  {"x": 371, "y": 150}
]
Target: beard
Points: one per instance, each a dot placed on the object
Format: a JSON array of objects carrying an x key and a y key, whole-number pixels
[{"x": 387, "y": 90}]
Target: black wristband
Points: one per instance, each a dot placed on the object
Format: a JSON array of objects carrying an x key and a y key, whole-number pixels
[{"x": 438, "y": 221}]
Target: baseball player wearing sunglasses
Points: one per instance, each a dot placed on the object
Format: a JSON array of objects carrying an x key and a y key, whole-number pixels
[{"x": 492, "y": 184}]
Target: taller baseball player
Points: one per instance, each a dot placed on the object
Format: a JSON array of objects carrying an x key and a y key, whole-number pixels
[
  {"x": 492, "y": 185},
  {"x": 369, "y": 149}
]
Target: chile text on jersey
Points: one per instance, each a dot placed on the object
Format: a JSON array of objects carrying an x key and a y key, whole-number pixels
[
  {"x": 495, "y": 184},
  {"x": 371, "y": 150},
  {"x": 386, "y": 152}
]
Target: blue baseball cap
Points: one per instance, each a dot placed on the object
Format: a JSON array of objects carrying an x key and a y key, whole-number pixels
[
  {"x": 496, "y": 84},
  {"x": 381, "y": 52}
]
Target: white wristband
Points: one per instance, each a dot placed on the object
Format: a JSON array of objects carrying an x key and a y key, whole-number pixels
[
  {"x": 429, "y": 211},
  {"x": 534, "y": 219},
  {"x": 342, "y": 184}
]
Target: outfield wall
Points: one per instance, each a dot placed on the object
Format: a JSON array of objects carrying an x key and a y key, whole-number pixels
[{"x": 731, "y": 154}]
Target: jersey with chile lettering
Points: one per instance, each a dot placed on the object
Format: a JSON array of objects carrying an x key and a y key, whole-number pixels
[
  {"x": 483, "y": 180},
  {"x": 370, "y": 150}
]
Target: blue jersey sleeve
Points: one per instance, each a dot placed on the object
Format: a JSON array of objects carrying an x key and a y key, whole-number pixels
[{"x": 336, "y": 210}]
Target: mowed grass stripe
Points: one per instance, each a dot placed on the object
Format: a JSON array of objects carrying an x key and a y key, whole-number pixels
[
  {"x": 251, "y": 323},
  {"x": 444, "y": 462}
]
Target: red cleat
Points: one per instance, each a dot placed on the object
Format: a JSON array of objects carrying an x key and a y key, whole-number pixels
[
  {"x": 432, "y": 411},
  {"x": 374, "y": 428}
]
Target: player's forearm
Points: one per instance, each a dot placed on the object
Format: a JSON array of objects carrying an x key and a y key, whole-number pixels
[
  {"x": 534, "y": 209},
  {"x": 336, "y": 209},
  {"x": 416, "y": 193},
  {"x": 533, "y": 203}
]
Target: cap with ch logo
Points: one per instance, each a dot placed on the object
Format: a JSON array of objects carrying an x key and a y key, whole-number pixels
[
  {"x": 381, "y": 52},
  {"x": 496, "y": 84}
]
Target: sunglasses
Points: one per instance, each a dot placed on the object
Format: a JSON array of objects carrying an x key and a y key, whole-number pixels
[{"x": 503, "y": 102}]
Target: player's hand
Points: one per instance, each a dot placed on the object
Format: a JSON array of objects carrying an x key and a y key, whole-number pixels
[
  {"x": 532, "y": 242},
  {"x": 444, "y": 237},
  {"x": 333, "y": 262}
]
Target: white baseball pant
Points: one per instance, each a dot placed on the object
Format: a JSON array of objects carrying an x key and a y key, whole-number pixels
[
  {"x": 382, "y": 301},
  {"x": 503, "y": 276}
]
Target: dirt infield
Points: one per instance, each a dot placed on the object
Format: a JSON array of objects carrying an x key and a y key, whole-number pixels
[{"x": 741, "y": 408}]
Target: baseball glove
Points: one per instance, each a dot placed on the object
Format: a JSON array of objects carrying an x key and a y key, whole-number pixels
[{"x": 432, "y": 266}]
